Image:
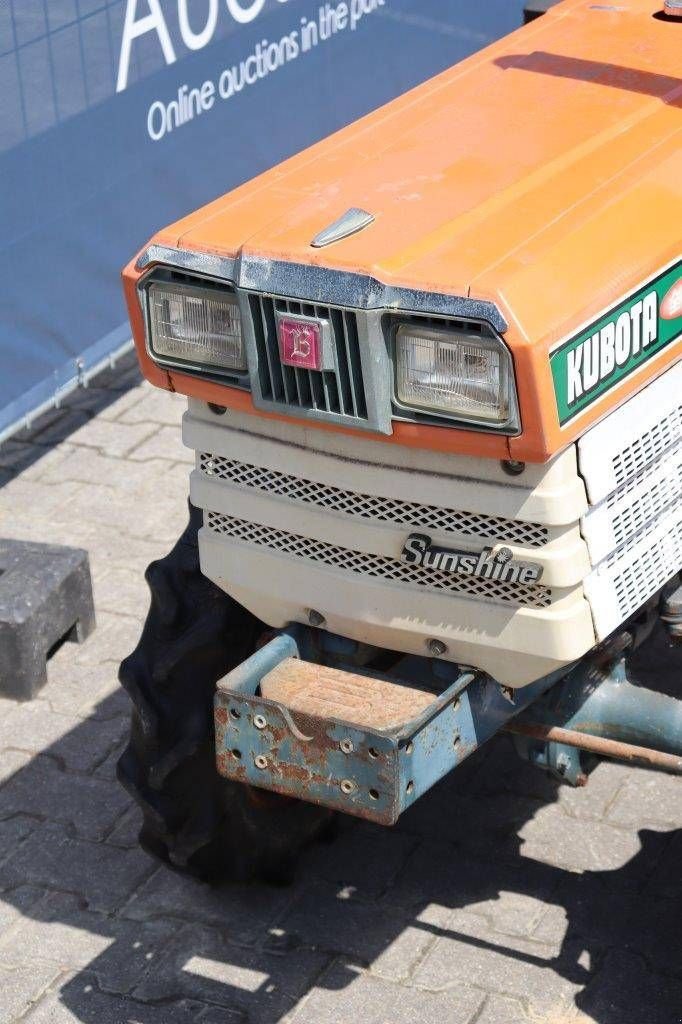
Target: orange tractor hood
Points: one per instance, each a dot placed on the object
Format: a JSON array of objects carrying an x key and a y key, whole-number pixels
[{"x": 543, "y": 174}]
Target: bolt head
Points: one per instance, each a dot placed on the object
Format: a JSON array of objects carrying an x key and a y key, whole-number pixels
[
  {"x": 316, "y": 618},
  {"x": 259, "y": 721},
  {"x": 437, "y": 648},
  {"x": 261, "y": 761},
  {"x": 513, "y": 467},
  {"x": 347, "y": 746},
  {"x": 347, "y": 786}
]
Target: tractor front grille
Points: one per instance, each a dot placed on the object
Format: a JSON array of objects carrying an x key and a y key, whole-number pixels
[
  {"x": 339, "y": 391},
  {"x": 380, "y": 567},
  {"x": 395, "y": 511}
]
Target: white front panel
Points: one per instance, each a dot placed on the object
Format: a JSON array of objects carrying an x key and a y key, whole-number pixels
[
  {"x": 630, "y": 439},
  {"x": 621, "y": 584},
  {"x": 632, "y": 466},
  {"x": 298, "y": 518}
]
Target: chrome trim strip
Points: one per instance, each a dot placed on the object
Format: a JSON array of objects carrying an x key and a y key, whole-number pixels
[
  {"x": 311, "y": 283},
  {"x": 349, "y": 223},
  {"x": 185, "y": 259}
]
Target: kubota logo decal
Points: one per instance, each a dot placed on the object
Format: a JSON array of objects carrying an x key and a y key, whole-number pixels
[{"x": 617, "y": 343}]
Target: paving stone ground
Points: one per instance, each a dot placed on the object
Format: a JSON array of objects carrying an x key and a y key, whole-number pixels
[{"x": 500, "y": 898}]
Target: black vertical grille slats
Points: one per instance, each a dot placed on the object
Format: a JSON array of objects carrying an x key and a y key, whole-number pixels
[
  {"x": 352, "y": 343},
  {"x": 339, "y": 391}
]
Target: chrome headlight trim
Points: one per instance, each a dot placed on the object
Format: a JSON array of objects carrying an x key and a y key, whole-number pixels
[
  {"x": 193, "y": 282},
  {"x": 441, "y": 417},
  {"x": 320, "y": 285},
  {"x": 312, "y": 283}
]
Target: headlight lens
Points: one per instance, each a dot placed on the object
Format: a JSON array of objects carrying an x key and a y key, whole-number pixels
[
  {"x": 196, "y": 327},
  {"x": 468, "y": 378}
]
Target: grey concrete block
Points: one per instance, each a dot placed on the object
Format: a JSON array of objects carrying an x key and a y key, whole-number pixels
[
  {"x": 75, "y": 743},
  {"x": 585, "y": 908},
  {"x": 126, "y": 830},
  {"x": 11, "y": 762},
  {"x": 627, "y": 991},
  {"x": 90, "y": 806},
  {"x": 362, "y": 861},
  {"x": 653, "y": 932},
  {"x": 365, "y": 933},
  {"x": 664, "y": 879},
  {"x": 163, "y": 407},
  {"x": 21, "y": 985},
  {"x": 502, "y": 1010},
  {"x": 13, "y": 831},
  {"x": 200, "y": 964},
  {"x": 552, "y": 836},
  {"x": 470, "y": 953},
  {"x": 16, "y": 905},
  {"x": 510, "y": 894},
  {"x": 113, "y": 439},
  {"x": 592, "y": 802},
  {"x": 343, "y": 994},
  {"x": 83, "y": 689},
  {"x": 79, "y": 1001},
  {"x": 55, "y": 426},
  {"x": 104, "y": 876},
  {"x": 648, "y": 797},
  {"x": 59, "y": 929},
  {"x": 45, "y": 596},
  {"x": 165, "y": 444},
  {"x": 242, "y": 912}
]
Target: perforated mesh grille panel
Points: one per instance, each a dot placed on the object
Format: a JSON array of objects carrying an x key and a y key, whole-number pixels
[
  {"x": 632, "y": 464},
  {"x": 366, "y": 506},
  {"x": 648, "y": 446},
  {"x": 376, "y": 566},
  {"x": 634, "y": 573},
  {"x": 646, "y": 497},
  {"x": 646, "y": 568}
]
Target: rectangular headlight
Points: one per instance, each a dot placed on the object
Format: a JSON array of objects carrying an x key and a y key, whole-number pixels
[
  {"x": 194, "y": 326},
  {"x": 457, "y": 375}
]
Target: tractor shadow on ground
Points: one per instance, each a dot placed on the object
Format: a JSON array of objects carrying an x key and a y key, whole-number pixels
[{"x": 457, "y": 897}]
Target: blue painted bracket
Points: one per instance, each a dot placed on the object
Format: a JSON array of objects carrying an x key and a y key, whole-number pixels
[
  {"x": 373, "y": 774},
  {"x": 601, "y": 701}
]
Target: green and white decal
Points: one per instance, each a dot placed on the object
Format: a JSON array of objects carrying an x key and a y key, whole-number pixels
[{"x": 617, "y": 342}]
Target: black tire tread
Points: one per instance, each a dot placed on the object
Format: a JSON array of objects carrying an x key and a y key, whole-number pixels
[{"x": 193, "y": 819}]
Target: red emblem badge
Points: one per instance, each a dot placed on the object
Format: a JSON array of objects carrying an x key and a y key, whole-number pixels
[{"x": 300, "y": 343}]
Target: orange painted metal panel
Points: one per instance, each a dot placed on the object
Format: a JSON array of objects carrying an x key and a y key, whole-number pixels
[{"x": 543, "y": 173}]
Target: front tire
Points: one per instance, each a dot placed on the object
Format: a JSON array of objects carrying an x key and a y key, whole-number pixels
[{"x": 193, "y": 819}]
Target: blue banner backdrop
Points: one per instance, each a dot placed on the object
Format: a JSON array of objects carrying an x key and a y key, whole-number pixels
[{"x": 117, "y": 117}]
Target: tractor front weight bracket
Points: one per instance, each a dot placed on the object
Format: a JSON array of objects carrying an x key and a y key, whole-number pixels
[{"x": 358, "y": 742}]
